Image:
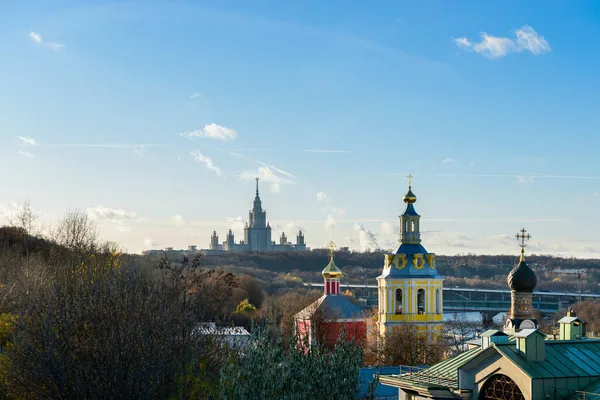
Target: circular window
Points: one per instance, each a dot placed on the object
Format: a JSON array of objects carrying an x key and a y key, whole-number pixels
[{"x": 500, "y": 387}]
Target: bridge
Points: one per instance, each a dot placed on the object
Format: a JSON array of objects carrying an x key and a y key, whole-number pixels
[{"x": 486, "y": 301}]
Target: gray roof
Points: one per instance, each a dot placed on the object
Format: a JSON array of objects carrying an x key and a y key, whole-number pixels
[
  {"x": 333, "y": 306},
  {"x": 568, "y": 320}
]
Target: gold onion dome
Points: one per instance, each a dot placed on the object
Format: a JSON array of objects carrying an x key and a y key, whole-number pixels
[
  {"x": 409, "y": 197},
  {"x": 331, "y": 270}
]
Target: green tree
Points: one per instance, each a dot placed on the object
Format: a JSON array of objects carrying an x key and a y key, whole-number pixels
[{"x": 270, "y": 369}]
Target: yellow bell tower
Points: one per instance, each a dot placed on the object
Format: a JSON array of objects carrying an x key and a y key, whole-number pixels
[{"x": 410, "y": 289}]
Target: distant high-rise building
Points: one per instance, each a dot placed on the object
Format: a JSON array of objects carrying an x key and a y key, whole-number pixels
[{"x": 257, "y": 235}]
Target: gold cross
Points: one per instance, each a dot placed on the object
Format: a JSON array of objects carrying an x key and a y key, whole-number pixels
[
  {"x": 523, "y": 236},
  {"x": 331, "y": 249},
  {"x": 410, "y": 176}
]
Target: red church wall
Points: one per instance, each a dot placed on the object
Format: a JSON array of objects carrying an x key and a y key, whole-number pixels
[{"x": 352, "y": 331}]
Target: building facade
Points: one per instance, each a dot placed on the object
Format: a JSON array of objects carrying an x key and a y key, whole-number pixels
[
  {"x": 257, "y": 235},
  {"x": 410, "y": 288}
]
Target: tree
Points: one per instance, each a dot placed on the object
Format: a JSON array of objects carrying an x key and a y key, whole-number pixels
[
  {"x": 456, "y": 331},
  {"x": 271, "y": 369},
  {"x": 24, "y": 217},
  {"x": 245, "y": 308},
  {"x": 77, "y": 232}
]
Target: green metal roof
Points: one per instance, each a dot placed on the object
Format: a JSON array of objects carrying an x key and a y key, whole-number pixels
[
  {"x": 564, "y": 358},
  {"x": 443, "y": 374}
]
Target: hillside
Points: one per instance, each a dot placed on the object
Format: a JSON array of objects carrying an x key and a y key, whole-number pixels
[{"x": 461, "y": 270}]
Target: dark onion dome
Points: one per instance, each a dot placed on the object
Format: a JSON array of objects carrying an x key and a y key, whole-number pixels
[
  {"x": 522, "y": 278},
  {"x": 409, "y": 197}
]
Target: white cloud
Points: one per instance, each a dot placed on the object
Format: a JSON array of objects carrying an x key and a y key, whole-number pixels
[
  {"x": 527, "y": 39},
  {"x": 389, "y": 229},
  {"x": 329, "y": 223},
  {"x": 366, "y": 238},
  {"x": 212, "y": 131},
  {"x": 525, "y": 179},
  {"x": 140, "y": 151},
  {"x": 207, "y": 161},
  {"x": 198, "y": 96},
  {"x": 327, "y": 151},
  {"x": 237, "y": 225},
  {"x": 266, "y": 174},
  {"x": 148, "y": 242},
  {"x": 323, "y": 198},
  {"x": 113, "y": 214},
  {"x": 178, "y": 219},
  {"x": 448, "y": 161},
  {"x": 26, "y": 141},
  {"x": 26, "y": 154},
  {"x": 37, "y": 38}
]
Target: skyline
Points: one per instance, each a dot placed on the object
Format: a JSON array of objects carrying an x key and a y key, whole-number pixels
[{"x": 156, "y": 117}]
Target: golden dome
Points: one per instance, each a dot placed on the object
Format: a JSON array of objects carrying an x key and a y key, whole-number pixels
[{"x": 409, "y": 197}]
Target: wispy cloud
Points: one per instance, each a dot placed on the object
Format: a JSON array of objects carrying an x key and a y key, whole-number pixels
[
  {"x": 323, "y": 198},
  {"x": 266, "y": 174},
  {"x": 37, "y": 38},
  {"x": 26, "y": 154},
  {"x": 26, "y": 141},
  {"x": 525, "y": 179},
  {"x": 236, "y": 224},
  {"x": 448, "y": 161},
  {"x": 106, "y": 145},
  {"x": 526, "y": 39},
  {"x": 149, "y": 243},
  {"x": 327, "y": 151},
  {"x": 114, "y": 214},
  {"x": 178, "y": 219},
  {"x": 212, "y": 131},
  {"x": 207, "y": 161}
]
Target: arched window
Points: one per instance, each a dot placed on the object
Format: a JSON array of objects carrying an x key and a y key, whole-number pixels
[
  {"x": 398, "y": 301},
  {"x": 406, "y": 226},
  {"x": 421, "y": 301},
  {"x": 500, "y": 387},
  {"x": 438, "y": 304}
]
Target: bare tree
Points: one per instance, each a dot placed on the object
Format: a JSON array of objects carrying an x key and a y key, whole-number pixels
[
  {"x": 24, "y": 217},
  {"x": 76, "y": 231}
]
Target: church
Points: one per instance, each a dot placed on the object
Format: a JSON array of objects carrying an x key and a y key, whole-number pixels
[
  {"x": 518, "y": 363},
  {"x": 257, "y": 235},
  {"x": 332, "y": 315},
  {"x": 410, "y": 288}
]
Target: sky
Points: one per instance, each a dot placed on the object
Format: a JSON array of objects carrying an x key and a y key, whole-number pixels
[{"x": 154, "y": 117}]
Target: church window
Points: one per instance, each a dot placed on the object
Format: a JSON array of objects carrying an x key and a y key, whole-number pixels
[
  {"x": 421, "y": 301},
  {"x": 437, "y": 301},
  {"x": 406, "y": 226},
  {"x": 412, "y": 229},
  {"x": 500, "y": 387},
  {"x": 398, "y": 301}
]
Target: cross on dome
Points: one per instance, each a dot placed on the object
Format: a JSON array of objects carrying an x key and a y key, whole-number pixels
[
  {"x": 410, "y": 176},
  {"x": 331, "y": 249},
  {"x": 523, "y": 236}
]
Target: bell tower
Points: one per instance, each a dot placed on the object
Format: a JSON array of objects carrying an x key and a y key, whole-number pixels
[{"x": 410, "y": 288}]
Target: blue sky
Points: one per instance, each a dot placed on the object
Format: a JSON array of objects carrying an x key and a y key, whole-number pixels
[{"x": 156, "y": 116}]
